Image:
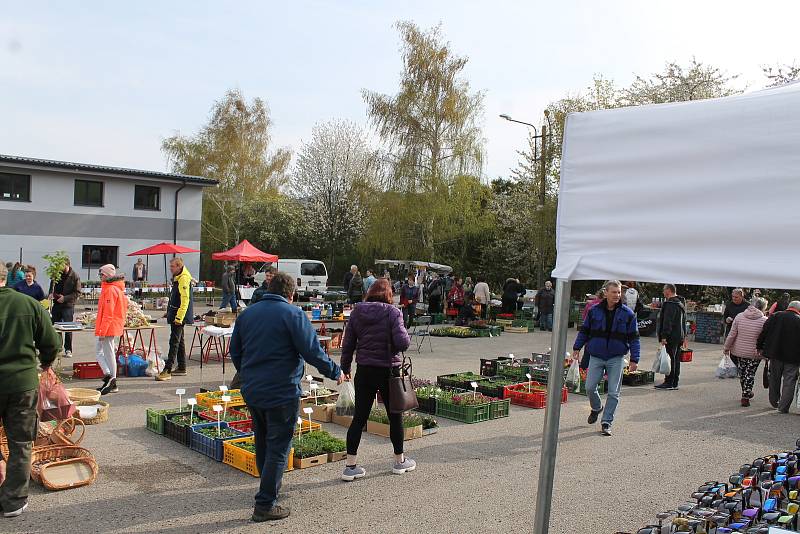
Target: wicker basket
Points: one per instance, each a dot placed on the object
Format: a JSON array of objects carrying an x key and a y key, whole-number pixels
[
  {"x": 67, "y": 432},
  {"x": 83, "y": 394},
  {"x": 102, "y": 412},
  {"x": 61, "y": 467}
]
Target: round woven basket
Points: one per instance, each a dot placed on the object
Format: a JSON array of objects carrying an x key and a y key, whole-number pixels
[
  {"x": 47, "y": 465},
  {"x": 83, "y": 394},
  {"x": 102, "y": 412}
]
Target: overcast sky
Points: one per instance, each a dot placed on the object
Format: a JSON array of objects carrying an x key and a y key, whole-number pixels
[{"x": 105, "y": 82}]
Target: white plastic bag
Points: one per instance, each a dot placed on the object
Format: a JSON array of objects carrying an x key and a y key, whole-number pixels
[
  {"x": 154, "y": 364},
  {"x": 726, "y": 368},
  {"x": 662, "y": 364},
  {"x": 346, "y": 403},
  {"x": 574, "y": 375}
]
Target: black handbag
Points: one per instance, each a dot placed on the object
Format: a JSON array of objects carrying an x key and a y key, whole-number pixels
[{"x": 402, "y": 396}]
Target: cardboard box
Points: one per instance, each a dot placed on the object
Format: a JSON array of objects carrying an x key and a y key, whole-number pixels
[
  {"x": 315, "y": 401},
  {"x": 336, "y": 456},
  {"x": 341, "y": 420},
  {"x": 323, "y": 413},
  {"x": 380, "y": 429},
  {"x": 303, "y": 463}
]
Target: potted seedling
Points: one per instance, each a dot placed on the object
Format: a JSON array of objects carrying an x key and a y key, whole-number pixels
[
  {"x": 429, "y": 425},
  {"x": 309, "y": 450},
  {"x": 378, "y": 424}
]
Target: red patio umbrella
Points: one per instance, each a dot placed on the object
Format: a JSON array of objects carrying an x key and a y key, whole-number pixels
[
  {"x": 244, "y": 251},
  {"x": 162, "y": 248}
]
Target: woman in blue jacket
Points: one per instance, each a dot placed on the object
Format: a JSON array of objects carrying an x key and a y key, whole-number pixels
[{"x": 609, "y": 332}]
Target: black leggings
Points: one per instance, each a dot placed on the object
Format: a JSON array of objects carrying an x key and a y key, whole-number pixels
[{"x": 368, "y": 381}]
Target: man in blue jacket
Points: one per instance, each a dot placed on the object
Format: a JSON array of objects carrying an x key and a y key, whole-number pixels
[
  {"x": 270, "y": 343},
  {"x": 609, "y": 332}
]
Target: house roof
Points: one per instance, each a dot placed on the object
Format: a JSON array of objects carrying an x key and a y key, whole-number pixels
[{"x": 104, "y": 169}]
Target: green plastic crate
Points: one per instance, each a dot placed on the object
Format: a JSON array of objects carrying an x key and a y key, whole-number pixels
[
  {"x": 154, "y": 419},
  {"x": 465, "y": 414},
  {"x": 602, "y": 388},
  {"x": 499, "y": 408}
]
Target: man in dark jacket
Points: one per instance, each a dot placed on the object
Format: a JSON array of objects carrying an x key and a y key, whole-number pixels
[
  {"x": 270, "y": 344},
  {"x": 779, "y": 342},
  {"x": 609, "y": 332},
  {"x": 263, "y": 289},
  {"x": 545, "y": 302},
  {"x": 25, "y": 330},
  {"x": 180, "y": 312},
  {"x": 348, "y": 278},
  {"x": 671, "y": 333},
  {"x": 228, "y": 287},
  {"x": 435, "y": 294},
  {"x": 65, "y": 292}
]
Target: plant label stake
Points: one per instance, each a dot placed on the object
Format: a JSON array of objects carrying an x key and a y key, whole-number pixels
[
  {"x": 180, "y": 392},
  {"x": 529, "y": 381},
  {"x": 314, "y": 388},
  {"x": 300, "y": 428},
  {"x": 225, "y": 399},
  {"x": 474, "y": 389},
  {"x": 217, "y": 408},
  {"x": 308, "y": 410},
  {"x": 191, "y": 402},
  {"x": 223, "y": 388}
]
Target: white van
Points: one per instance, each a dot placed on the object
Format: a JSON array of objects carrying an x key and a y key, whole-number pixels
[{"x": 311, "y": 275}]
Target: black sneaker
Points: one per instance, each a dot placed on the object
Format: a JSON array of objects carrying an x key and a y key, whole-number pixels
[
  {"x": 272, "y": 514},
  {"x": 180, "y": 371},
  {"x": 106, "y": 380},
  {"x": 663, "y": 386},
  {"x": 673, "y": 387},
  {"x": 593, "y": 416},
  {"x": 111, "y": 387},
  {"x": 605, "y": 429}
]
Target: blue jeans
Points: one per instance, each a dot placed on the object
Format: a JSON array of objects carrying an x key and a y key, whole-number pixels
[
  {"x": 546, "y": 321},
  {"x": 228, "y": 298},
  {"x": 613, "y": 368},
  {"x": 273, "y": 429}
]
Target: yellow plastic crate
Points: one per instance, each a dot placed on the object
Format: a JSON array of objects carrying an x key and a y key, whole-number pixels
[
  {"x": 245, "y": 460},
  {"x": 205, "y": 399},
  {"x": 305, "y": 428}
]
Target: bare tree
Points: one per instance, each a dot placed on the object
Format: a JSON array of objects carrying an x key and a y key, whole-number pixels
[{"x": 781, "y": 74}]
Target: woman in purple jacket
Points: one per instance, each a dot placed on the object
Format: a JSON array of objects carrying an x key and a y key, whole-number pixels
[{"x": 377, "y": 335}]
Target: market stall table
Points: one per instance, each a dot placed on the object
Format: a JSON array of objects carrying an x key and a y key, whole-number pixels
[{"x": 127, "y": 346}]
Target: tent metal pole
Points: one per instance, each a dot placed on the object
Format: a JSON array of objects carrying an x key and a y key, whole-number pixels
[{"x": 547, "y": 462}]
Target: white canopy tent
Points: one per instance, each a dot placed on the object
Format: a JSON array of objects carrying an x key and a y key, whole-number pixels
[{"x": 702, "y": 192}]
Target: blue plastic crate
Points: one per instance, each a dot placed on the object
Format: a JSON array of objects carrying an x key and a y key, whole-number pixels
[{"x": 211, "y": 447}]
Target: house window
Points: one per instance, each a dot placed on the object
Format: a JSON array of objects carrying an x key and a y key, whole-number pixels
[
  {"x": 95, "y": 256},
  {"x": 88, "y": 193},
  {"x": 15, "y": 187},
  {"x": 146, "y": 197}
]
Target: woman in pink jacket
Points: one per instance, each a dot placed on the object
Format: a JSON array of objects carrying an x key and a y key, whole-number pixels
[
  {"x": 741, "y": 342},
  {"x": 112, "y": 310}
]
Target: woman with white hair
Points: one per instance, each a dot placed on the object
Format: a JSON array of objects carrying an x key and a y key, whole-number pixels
[{"x": 741, "y": 343}]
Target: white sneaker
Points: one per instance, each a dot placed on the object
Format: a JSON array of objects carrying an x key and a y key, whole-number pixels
[
  {"x": 68, "y": 354},
  {"x": 16, "y": 513},
  {"x": 406, "y": 466}
]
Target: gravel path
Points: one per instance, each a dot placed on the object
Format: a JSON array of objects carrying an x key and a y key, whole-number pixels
[{"x": 471, "y": 478}]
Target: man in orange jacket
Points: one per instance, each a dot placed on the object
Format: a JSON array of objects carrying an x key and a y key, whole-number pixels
[{"x": 112, "y": 310}]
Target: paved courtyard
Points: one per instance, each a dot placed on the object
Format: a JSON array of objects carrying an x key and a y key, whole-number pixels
[{"x": 471, "y": 478}]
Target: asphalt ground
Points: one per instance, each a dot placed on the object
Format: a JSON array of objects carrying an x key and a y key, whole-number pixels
[{"x": 470, "y": 478}]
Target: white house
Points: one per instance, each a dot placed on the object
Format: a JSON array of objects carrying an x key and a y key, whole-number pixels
[{"x": 97, "y": 214}]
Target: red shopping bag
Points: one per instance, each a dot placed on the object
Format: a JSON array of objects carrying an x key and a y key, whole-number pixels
[{"x": 54, "y": 403}]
